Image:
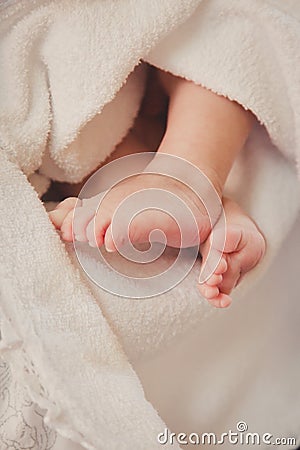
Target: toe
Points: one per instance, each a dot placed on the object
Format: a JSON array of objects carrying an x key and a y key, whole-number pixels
[
  {"x": 58, "y": 215},
  {"x": 221, "y": 301},
  {"x": 208, "y": 292},
  {"x": 225, "y": 300},
  {"x": 232, "y": 274},
  {"x": 212, "y": 260},
  {"x": 250, "y": 250},
  {"x": 69, "y": 203},
  {"x": 213, "y": 265},
  {"x": 221, "y": 267},
  {"x": 214, "y": 280},
  {"x": 67, "y": 227},
  {"x": 109, "y": 242},
  {"x": 82, "y": 218},
  {"x": 96, "y": 229}
]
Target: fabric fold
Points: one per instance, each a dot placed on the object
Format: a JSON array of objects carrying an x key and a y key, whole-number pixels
[
  {"x": 66, "y": 354},
  {"x": 248, "y": 52}
]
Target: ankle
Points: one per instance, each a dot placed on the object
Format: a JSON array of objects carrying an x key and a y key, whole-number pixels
[
  {"x": 214, "y": 178},
  {"x": 201, "y": 166}
]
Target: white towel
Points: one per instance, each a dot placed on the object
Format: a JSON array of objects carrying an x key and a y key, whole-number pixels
[{"x": 63, "y": 81}]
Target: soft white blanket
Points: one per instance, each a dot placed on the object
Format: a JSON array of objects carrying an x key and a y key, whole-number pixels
[{"x": 68, "y": 72}]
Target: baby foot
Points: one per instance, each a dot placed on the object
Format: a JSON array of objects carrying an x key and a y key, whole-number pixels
[
  {"x": 94, "y": 215},
  {"x": 243, "y": 250}
]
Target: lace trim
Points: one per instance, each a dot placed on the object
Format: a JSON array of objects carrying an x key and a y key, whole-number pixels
[{"x": 21, "y": 421}]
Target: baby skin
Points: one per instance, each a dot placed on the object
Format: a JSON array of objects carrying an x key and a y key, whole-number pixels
[{"x": 208, "y": 131}]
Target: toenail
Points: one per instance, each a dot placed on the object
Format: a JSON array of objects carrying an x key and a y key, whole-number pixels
[
  {"x": 211, "y": 292},
  {"x": 65, "y": 237},
  {"x": 80, "y": 238},
  {"x": 93, "y": 244},
  {"x": 225, "y": 302}
]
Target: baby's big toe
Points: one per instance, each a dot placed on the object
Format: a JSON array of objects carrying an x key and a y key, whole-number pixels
[
  {"x": 67, "y": 227},
  {"x": 58, "y": 215}
]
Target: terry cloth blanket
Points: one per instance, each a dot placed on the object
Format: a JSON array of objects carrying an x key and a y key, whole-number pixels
[{"x": 71, "y": 85}]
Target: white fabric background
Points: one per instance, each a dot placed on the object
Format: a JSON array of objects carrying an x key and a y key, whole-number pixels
[{"x": 189, "y": 382}]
